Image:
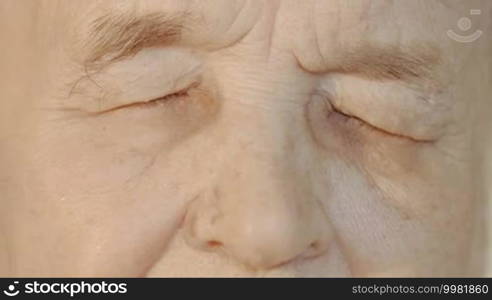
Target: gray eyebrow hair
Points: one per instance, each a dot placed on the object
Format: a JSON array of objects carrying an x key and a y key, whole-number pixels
[
  {"x": 417, "y": 62},
  {"x": 116, "y": 36}
]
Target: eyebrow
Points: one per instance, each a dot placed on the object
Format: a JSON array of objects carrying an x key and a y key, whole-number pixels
[
  {"x": 392, "y": 63},
  {"x": 116, "y": 36}
]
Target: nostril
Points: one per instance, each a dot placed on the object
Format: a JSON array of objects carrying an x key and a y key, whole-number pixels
[
  {"x": 214, "y": 244},
  {"x": 314, "y": 245},
  {"x": 314, "y": 249}
]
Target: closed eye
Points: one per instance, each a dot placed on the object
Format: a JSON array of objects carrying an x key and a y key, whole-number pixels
[
  {"x": 152, "y": 103},
  {"x": 166, "y": 98},
  {"x": 359, "y": 123}
]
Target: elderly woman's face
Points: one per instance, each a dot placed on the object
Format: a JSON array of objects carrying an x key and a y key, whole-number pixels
[{"x": 240, "y": 138}]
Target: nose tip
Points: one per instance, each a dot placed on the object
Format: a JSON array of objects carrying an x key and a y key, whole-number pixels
[{"x": 258, "y": 241}]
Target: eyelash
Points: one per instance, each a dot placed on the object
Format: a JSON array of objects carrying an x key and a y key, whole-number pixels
[
  {"x": 361, "y": 124},
  {"x": 168, "y": 98},
  {"x": 160, "y": 101}
]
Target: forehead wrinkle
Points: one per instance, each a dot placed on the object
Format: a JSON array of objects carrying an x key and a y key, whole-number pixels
[{"x": 116, "y": 36}]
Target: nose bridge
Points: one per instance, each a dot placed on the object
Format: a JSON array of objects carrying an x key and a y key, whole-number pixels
[
  {"x": 264, "y": 189},
  {"x": 264, "y": 165},
  {"x": 268, "y": 150},
  {"x": 277, "y": 85},
  {"x": 263, "y": 103}
]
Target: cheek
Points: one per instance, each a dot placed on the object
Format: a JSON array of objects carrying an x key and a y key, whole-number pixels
[
  {"x": 420, "y": 180},
  {"x": 384, "y": 229}
]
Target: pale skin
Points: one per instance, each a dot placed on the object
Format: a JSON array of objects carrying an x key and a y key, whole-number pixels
[{"x": 296, "y": 145}]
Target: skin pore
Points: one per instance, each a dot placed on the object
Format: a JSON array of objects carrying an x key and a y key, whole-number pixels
[{"x": 242, "y": 138}]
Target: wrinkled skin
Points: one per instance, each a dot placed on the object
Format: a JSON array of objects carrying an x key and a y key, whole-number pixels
[{"x": 279, "y": 161}]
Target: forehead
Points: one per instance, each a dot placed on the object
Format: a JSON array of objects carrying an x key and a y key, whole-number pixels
[
  {"x": 370, "y": 18},
  {"x": 312, "y": 30}
]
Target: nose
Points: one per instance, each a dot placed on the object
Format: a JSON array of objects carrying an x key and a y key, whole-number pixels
[{"x": 262, "y": 212}]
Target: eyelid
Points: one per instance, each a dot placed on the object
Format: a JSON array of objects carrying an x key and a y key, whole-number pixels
[
  {"x": 163, "y": 100},
  {"x": 421, "y": 113},
  {"x": 377, "y": 129},
  {"x": 150, "y": 74},
  {"x": 167, "y": 98}
]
